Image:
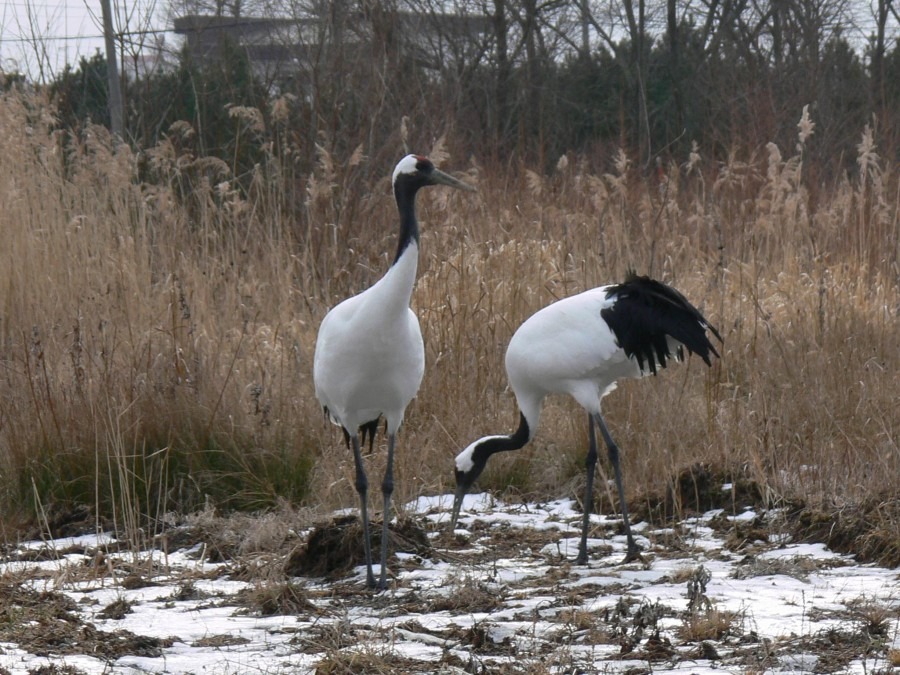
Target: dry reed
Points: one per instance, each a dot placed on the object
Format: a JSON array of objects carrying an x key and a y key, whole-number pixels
[{"x": 158, "y": 316}]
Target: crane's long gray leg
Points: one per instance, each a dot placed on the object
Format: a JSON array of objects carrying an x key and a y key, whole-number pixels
[
  {"x": 362, "y": 487},
  {"x": 634, "y": 551},
  {"x": 387, "y": 489},
  {"x": 590, "y": 464}
]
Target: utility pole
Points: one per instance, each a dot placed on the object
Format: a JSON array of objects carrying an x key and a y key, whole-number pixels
[
  {"x": 585, "y": 28},
  {"x": 116, "y": 115}
]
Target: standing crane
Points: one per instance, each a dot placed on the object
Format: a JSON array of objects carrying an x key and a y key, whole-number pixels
[
  {"x": 369, "y": 357},
  {"x": 581, "y": 345}
]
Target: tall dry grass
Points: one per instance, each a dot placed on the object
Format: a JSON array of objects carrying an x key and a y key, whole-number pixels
[{"x": 158, "y": 318}]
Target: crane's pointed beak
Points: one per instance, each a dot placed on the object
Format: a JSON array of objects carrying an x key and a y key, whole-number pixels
[
  {"x": 438, "y": 177},
  {"x": 457, "y": 505}
]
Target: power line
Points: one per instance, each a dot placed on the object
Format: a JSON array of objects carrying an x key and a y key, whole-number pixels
[
  {"x": 61, "y": 4},
  {"x": 49, "y": 38},
  {"x": 41, "y": 5},
  {"x": 217, "y": 23},
  {"x": 73, "y": 38}
]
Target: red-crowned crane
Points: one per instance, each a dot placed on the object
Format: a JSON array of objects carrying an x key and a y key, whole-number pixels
[
  {"x": 581, "y": 345},
  {"x": 369, "y": 357}
]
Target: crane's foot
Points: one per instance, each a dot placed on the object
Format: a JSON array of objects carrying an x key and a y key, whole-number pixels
[
  {"x": 582, "y": 558},
  {"x": 633, "y": 554},
  {"x": 379, "y": 583}
]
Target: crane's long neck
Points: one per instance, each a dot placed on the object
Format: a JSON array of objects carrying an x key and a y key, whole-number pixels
[
  {"x": 477, "y": 454},
  {"x": 409, "y": 225},
  {"x": 471, "y": 461},
  {"x": 395, "y": 288},
  {"x": 514, "y": 441}
]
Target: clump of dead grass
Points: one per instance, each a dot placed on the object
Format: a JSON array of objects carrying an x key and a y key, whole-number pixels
[
  {"x": 702, "y": 620},
  {"x": 116, "y": 610},
  {"x": 364, "y": 660},
  {"x": 714, "y": 624},
  {"x": 345, "y": 651},
  {"x": 468, "y": 593},
  {"x": 868, "y": 529},
  {"x": 873, "y": 618},
  {"x": 270, "y": 599},
  {"x": 893, "y": 657},
  {"x": 798, "y": 567},
  {"x": 577, "y": 619}
]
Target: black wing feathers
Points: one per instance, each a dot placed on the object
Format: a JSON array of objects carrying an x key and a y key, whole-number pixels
[
  {"x": 369, "y": 429},
  {"x": 646, "y": 312}
]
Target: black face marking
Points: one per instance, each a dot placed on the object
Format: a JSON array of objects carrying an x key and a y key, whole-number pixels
[{"x": 423, "y": 164}]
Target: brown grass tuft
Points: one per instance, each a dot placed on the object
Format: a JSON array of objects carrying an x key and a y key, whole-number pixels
[
  {"x": 469, "y": 594},
  {"x": 714, "y": 624},
  {"x": 285, "y": 598},
  {"x": 870, "y": 530}
]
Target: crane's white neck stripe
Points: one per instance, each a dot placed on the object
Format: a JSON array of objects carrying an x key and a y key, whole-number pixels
[{"x": 464, "y": 462}]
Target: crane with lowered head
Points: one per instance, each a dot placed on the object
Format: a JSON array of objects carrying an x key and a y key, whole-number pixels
[{"x": 581, "y": 345}]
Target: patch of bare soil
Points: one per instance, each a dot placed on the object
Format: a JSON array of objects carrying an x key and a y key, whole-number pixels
[
  {"x": 698, "y": 489},
  {"x": 336, "y": 547},
  {"x": 62, "y": 520},
  {"x": 45, "y": 623},
  {"x": 509, "y": 541}
]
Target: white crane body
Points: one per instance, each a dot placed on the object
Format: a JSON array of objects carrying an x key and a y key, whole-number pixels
[
  {"x": 370, "y": 357},
  {"x": 567, "y": 348},
  {"x": 581, "y": 346}
]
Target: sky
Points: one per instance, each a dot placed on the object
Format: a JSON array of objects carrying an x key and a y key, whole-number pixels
[
  {"x": 67, "y": 30},
  {"x": 39, "y": 37}
]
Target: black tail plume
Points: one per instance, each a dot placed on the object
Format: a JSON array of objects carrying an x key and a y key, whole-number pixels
[{"x": 646, "y": 312}]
